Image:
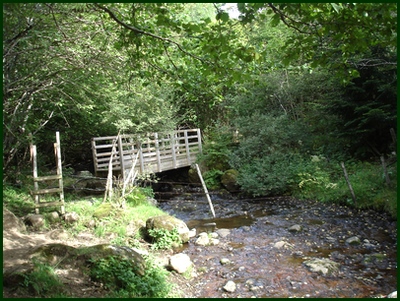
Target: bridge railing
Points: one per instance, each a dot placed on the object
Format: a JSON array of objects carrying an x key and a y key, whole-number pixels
[{"x": 154, "y": 152}]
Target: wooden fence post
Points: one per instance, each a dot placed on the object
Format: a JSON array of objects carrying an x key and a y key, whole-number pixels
[
  {"x": 35, "y": 175},
  {"x": 57, "y": 149},
  {"x": 348, "y": 183},
  {"x": 385, "y": 170}
]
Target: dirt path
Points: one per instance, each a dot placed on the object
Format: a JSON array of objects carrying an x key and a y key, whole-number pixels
[{"x": 18, "y": 244}]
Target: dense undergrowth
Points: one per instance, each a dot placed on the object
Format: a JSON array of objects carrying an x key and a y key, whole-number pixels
[{"x": 270, "y": 169}]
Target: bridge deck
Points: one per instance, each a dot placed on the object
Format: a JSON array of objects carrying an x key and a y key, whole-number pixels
[{"x": 155, "y": 152}]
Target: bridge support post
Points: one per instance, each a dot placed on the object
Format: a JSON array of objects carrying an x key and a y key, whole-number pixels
[{"x": 205, "y": 190}]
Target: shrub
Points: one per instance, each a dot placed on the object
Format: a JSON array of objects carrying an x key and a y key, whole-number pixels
[
  {"x": 165, "y": 239},
  {"x": 119, "y": 275},
  {"x": 212, "y": 178}
]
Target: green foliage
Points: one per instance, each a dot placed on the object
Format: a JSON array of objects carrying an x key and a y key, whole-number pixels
[
  {"x": 329, "y": 34},
  {"x": 323, "y": 181},
  {"x": 216, "y": 148},
  {"x": 17, "y": 201},
  {"x": 139, "y": 196},
  {"x": 43, "y": 281},
  {"x": 315, "y": 178},
  {"x": 119, "y": 275},
  {"x": 212, "y": 178},
  {"x": 165, "y": 239},
  {"x": 270, "y": 175}
]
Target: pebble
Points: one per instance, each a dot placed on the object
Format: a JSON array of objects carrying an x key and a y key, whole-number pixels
[
  {"x": 230, "y": 286},
  {"x": 224, "y": 261}
]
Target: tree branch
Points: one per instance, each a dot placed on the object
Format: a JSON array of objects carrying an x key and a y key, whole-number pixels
[
  {"x": 139, "y": 31},
  {"x": 284, "y": 19}
]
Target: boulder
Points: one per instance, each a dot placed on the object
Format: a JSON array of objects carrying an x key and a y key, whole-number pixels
[
  {"x": 180, "y": 262},
  {"x": 229, "y": 180},
  {"x": 61, "y": 254},
  {"x": 324, "y": 266},
  {"x": 193, "y": 176},
  {"x": 53, "y": 217},
  {"x": 71, "y": 217},
  {"x": 11, "y": 222},
  {"x": 35, "y": 220},
  {"x": 169, "y": 223}
]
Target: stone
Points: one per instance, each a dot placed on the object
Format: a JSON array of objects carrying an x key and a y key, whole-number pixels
[
  {"x": 11, "y": 222},
  {"x": 35, "y": 220},
  {"x": 224, "y": 261},
  {"x": 193, "y": 176},
  {"x": 229, "y": 180},
  {"x": 295, "y": 228},
  {"x": 180, "y": 262},
  {"x": 53, "y": 216},
  {"x": 59, "y": 234},
  {"x": 84, "y": 174},
  {"x": 392, "y": 295},
  {"x": 214, "y": 235},
  {"x": 324, "y": 266},
  {"x": 152, "y": 201},
  {"x": 223, "y": 232},
  {"x": 71, "y": 217},
  {"x": 202, "y": 239},
  {"x": 230, "y": 286},
  {"x": 280, "y": 244},
  {"x": 192, "y": 233},
  {"x": 354, "y": 240},
  {"x": 169, "y": 223},
  {"x": 214, "y": 241}
]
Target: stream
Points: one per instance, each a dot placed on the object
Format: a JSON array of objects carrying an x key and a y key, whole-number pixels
[{"x": 265, "y": 258}]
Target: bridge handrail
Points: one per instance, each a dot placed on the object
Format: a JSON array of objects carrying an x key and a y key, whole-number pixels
[{"x": 157, "y": 151}]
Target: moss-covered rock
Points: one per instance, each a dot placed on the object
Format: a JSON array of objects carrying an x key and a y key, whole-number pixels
[
  {"x": 169, "y": 223},
  {"x": 60, "y": 254},
  {"x": 229, "y": 180},
  {"x": 193, "y": 176},
  {"x": 103, "y": 210}
]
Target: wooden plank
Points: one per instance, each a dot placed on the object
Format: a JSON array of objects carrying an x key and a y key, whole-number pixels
[
  {"x": 121, "y": 155},
  {"x": 46, "y": 191},
  {"x": 48, "y": 204},
  {"x": 199, "y": 140},
  {"x": 93, "y": 142},
  {"x": 47, "y": 178},
  {"x": 173, "y": 151}
]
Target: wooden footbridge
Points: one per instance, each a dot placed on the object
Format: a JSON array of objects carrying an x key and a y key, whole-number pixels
[{"x": 151, "y": 153}]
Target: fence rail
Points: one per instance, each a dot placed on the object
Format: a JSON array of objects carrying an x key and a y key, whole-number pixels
[{"x": 155, "y": 152}]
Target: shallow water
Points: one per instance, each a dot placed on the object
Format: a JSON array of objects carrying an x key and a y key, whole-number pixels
[{"x": 260, "y": 269}]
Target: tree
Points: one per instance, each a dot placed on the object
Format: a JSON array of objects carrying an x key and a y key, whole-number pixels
[
  {"x": 56, "y": 59},
  {"x": 330, "y": 34}
]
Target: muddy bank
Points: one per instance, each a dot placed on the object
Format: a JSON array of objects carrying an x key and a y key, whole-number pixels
[{"x": 271, "y": 239}]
